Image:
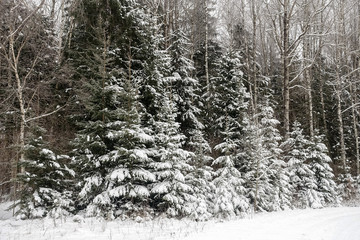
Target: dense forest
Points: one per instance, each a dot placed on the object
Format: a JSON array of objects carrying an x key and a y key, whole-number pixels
[{"x": 178, "y": 108}]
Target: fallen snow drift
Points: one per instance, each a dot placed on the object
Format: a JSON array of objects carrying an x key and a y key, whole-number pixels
[{"x": 320, "y": 224}]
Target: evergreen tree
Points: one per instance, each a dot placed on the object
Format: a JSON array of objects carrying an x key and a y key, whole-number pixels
[
  {"x": 185, "y": 94},
  {"x": 171, "y": 193},
  {"x": 279, "y": 179},
  {"x": 229, "y": 106},
  {"x": 46, "y": 181},
  {"x": 302, "y": 177},
  {"x": 185, "y": 88},
  {"x": 319, "y": 161},
  {"x": 112, "y": 144},
  {"x": 266, "y": 179}
]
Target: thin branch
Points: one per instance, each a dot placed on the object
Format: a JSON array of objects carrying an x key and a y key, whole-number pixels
[
  {"x": 26, "y": 19},
  {"x": 6, "y": 182},
  {"x": 44, "y": 115},
  {"x": 352, "y": 106}
]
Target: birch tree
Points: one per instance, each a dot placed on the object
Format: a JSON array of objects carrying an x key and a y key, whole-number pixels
[
  {"x": 284, "y": 16},
  {"x": 27, "y": 48}
]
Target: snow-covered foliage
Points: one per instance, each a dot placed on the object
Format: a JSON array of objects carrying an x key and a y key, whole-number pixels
[
  {"x": 309, "y": 169},
  {"x": 266, "y": 179},
  {"x": 185, "y": 90},
  {"x": 319, "y": 162},
  {"x": 157, "y": 136},
  {"x": 44, "y": 182},
  {"x": 229, "y": 105},
  {"x": 171, "y": 193}
]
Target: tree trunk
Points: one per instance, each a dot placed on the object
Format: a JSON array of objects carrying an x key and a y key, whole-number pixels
[
  {"x": 253, "y": 55},
  {"x": 207, "y": 50},
  {"x": 340, "y": 31},
  {"x": 307, "y": 76},
  {"x": 340, "y": 118},
  {"x": 356, "y": 133},
  {"x": 19, "y": 95},
  {"x": 323, "y": 110},
  {"x": 286, "y": 71}
]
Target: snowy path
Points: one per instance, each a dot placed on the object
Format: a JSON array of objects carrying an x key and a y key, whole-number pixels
[{"x": 321, "y": 224}]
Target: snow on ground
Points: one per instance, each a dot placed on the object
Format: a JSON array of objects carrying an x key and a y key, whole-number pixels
[{"x": 341, "y": 223}]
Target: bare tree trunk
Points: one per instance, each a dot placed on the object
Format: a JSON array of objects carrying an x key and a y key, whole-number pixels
[
  {"x": 207, "y": 49},
  {"x": 166, "y": 23},
  {"x": 340, "y": 31},
  {"x": 307, "y": 76},
  {"x": 14, "y": 61},
  {"x": 358, "y": 74},
  {"x": 356, "y": 133},
  {"x": 323, "y": 110},
  {"x": 340, "y": 119},
  {"x": 52, "y": 12},
  {"x": 286, "y": 70},
  {"x": 254, "y": 68}
]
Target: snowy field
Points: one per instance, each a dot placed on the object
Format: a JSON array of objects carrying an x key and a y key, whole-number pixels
[{"x": 341, "y": 223}]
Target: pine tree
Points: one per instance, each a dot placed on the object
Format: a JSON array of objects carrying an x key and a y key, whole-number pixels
[
  {"x": 264, "y": 166},
  {"x": 185, "y": 93},
  {"x": 302, "y": 177},
  {"x": 319, "y": 161},
  {"x": 229, "y": 105},
  {"x": 185, "y": 88},
  {"x": 46, "y": 181},
  {"x": 172, "y": 194},
  {"x": 112, "y": 146},
  {"x": 279, "y": 179}
]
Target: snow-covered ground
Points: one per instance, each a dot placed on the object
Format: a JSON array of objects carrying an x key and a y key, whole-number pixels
[{"x": 341, "y": 223}]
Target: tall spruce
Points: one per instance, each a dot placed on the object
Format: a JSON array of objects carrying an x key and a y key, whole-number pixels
[
  {"x": 320, "y": 161},
  {"x": 264, "y": 168},
  {"x": 110, "y": 55},
  {"x": 229, "y": 105},
  {"x": 185, "y": 89},
  {"x": 171, "y": 193}
]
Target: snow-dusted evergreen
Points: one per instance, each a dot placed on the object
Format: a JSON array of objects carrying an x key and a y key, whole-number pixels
[
  {"x": 279, "y": 178},
  {"x": 185, "y": 94},
  {"x": 111, "y": 149},
  {"x": 163, "y": 124},
  {"x": 229, "y": 105},
  {"x": 45, "y": 182},
  {"x": 302, "y": 176},
  {"x": 122, "y": 184},
  {"x": 171, "y": 193},
  {"x": 319, "y": 162},
  {"x": 265, "y": 178}
]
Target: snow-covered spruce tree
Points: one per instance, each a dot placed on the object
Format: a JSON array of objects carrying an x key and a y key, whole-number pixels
[
  {"x": 266, "y": 182},
  {"x": 302, "y": 177},
  {"x": 185, "y": 94},
  {"x": 279, "y": 178},
  {"x": 185, "y": 87},
  {"x": 45, "y": 182},
  {"x": 171, "y": 193},
  {"x": 229, "y": 106},
  {"x": 319, "y": 161},
  {"x": 108, "y": 52}
]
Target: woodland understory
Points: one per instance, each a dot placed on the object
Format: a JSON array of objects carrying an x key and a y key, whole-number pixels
[{"x": 178, "y": 108}]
